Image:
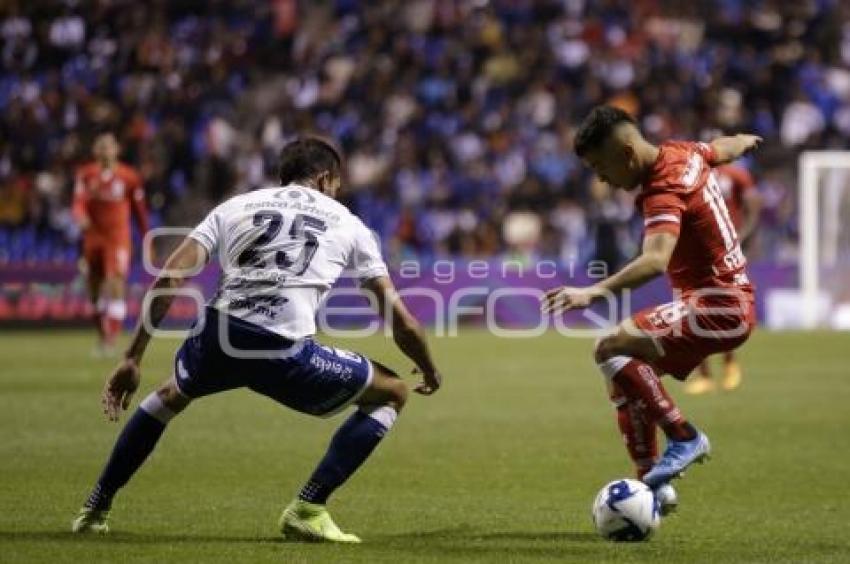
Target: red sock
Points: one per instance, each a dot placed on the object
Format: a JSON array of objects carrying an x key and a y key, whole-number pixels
[
  {"x": 100, "y": 324},
  {"x": 638, "y": 432},
  {"x": 113, "y": 328},
  {"x": 639, "y": 383}
]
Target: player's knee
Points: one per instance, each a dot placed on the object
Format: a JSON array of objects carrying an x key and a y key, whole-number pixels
[
  {"x": 605, "y": 348},
  {"x": 164, "y": 403},
  {"x": 615, "y": 344},
  {"x": 171, "y": 397},
  {"x": 618, "y": 398},
  {"x": 404, "y": 392},
  {"x": 394, "y": 389},
  {"x": 398, "y": 393}
]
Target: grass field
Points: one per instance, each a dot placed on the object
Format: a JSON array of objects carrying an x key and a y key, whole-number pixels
[{"x": 501, "y": 465}]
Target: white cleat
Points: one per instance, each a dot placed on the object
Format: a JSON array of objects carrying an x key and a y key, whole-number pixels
[
  {"x": 668, "y": 499},
  {"x": 91, "y": 521},
  {"x": 311, "y": 522}
]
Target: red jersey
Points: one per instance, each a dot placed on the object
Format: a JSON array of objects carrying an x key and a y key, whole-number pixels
[
  {"x": 106, "y": 197},
  {"x": 682, "y": 196},
  {"x": 734, "y": 183}
]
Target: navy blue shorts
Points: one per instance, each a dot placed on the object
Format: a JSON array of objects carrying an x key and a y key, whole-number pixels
[{"x": 228, "y": 353}]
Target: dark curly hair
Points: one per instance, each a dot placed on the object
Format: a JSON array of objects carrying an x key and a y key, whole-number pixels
[
  {"x": 597, "y": 126},
  {"x": 307, "y": 157}
]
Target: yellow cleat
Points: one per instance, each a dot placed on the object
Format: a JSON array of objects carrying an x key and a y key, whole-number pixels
[
  {"x": 311, "y": 522},
  {"x": 699, "y": 386},
  {"x": 91, "y": 521},
  {"x": 731, "y": 376}
]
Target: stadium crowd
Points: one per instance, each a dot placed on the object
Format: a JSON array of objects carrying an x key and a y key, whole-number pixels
[{"x": 456, "y": 116}]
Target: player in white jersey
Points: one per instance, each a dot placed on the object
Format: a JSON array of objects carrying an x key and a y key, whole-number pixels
[{"x": 280, "y": 249}]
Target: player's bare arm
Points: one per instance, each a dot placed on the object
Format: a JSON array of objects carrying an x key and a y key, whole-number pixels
[
  {"x": 732, "y": 147},
  {"x": 651, "y": 263},
  {"x": 185, "y": 261},
  {"x": 407, "y": 333}
]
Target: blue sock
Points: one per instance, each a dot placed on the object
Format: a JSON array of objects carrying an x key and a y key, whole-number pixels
[
  {"x": 351, "y": 445},
  {"x": 136, "y": 441}
]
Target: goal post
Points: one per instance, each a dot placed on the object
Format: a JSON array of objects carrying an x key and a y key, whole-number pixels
[{"x": 824, "y": 223}]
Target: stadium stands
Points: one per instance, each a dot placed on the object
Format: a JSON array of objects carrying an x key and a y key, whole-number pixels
[{"x": 456, "y": 116}]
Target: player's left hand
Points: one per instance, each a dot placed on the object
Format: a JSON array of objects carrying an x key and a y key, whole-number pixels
[
  {"x": 566, "y": 298},
  {"x": 749, "y": 142},
  {"x": 119, "y": 389}
]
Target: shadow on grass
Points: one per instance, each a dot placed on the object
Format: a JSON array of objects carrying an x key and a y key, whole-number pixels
[
  {"x": 467, "y": 542},
  {"x": 467, "y": 532},
  {"x": 134, "y": 538},
  {"x": 463, "y": 542},
  {"x": 450, "y": 534}
]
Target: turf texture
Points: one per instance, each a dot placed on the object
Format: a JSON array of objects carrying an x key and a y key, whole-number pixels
[{"x": 501, "y": 465}]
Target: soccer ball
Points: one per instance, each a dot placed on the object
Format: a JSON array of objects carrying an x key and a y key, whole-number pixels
[{"x": 626, "y": 510}]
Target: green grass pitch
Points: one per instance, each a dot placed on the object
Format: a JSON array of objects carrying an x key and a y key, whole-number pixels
[{"x": 500, "y": 465}]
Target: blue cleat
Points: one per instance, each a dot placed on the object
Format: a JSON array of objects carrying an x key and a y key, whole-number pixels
[{"x": 678, "y": 456}]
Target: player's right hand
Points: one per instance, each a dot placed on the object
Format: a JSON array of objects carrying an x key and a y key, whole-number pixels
[
  {"x": 430, "y": 383},
  {"x": 119, "y": 389}
]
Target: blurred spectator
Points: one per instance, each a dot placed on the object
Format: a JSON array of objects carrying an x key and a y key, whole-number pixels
[{"x": 456, "y": 115}]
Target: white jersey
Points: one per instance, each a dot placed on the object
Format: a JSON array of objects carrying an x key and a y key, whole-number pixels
[{"x": 281, "y": 249}]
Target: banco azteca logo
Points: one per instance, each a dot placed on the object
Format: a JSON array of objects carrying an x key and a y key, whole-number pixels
[{"x": 296, "y": 194}]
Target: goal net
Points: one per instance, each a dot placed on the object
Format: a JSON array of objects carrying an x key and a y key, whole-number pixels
[{"x": 824, "y": 208}]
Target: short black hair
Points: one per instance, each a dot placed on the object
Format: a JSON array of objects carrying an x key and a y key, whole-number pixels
[
  {"x": 306, "y": 158},
  {"x": 597, "y": 126}
]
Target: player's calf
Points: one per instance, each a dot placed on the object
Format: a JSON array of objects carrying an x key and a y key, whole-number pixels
[
  {"x": 358, "y": 436},
  {"x": 625, "y": 358},
  {"x": 135, "y": 443},
  {"x": 377, "y": 409},
  {"x": 731, "y": 371},
  {"x": 638, "y": 432}
]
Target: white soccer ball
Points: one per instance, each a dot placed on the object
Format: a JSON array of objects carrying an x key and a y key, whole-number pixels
[{"x": 626, "y": 510}]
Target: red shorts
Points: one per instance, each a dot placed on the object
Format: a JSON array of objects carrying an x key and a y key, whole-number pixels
[
  {"x": 688, "y": 330},
  {"x": 107, "y": 259}
]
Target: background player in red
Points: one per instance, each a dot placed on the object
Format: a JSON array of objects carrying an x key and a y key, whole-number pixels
[
  {"x": 690, "y": 235},
  {"x": 744, "y": 205},
  {"x": 105, "y": 192}
]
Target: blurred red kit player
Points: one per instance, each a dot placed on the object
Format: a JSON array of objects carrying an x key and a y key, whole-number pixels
[
  {"x": 105, "y": 192},
  {"x": 742, "y": 199},
  {"x": 744, "y": 204}
]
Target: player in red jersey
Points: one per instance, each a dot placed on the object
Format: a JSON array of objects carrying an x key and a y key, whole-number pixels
[
  {"x": 744, "y": 205},
  {"x": 105, "y": 192},
  {"x": 690, "y": 235}
]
